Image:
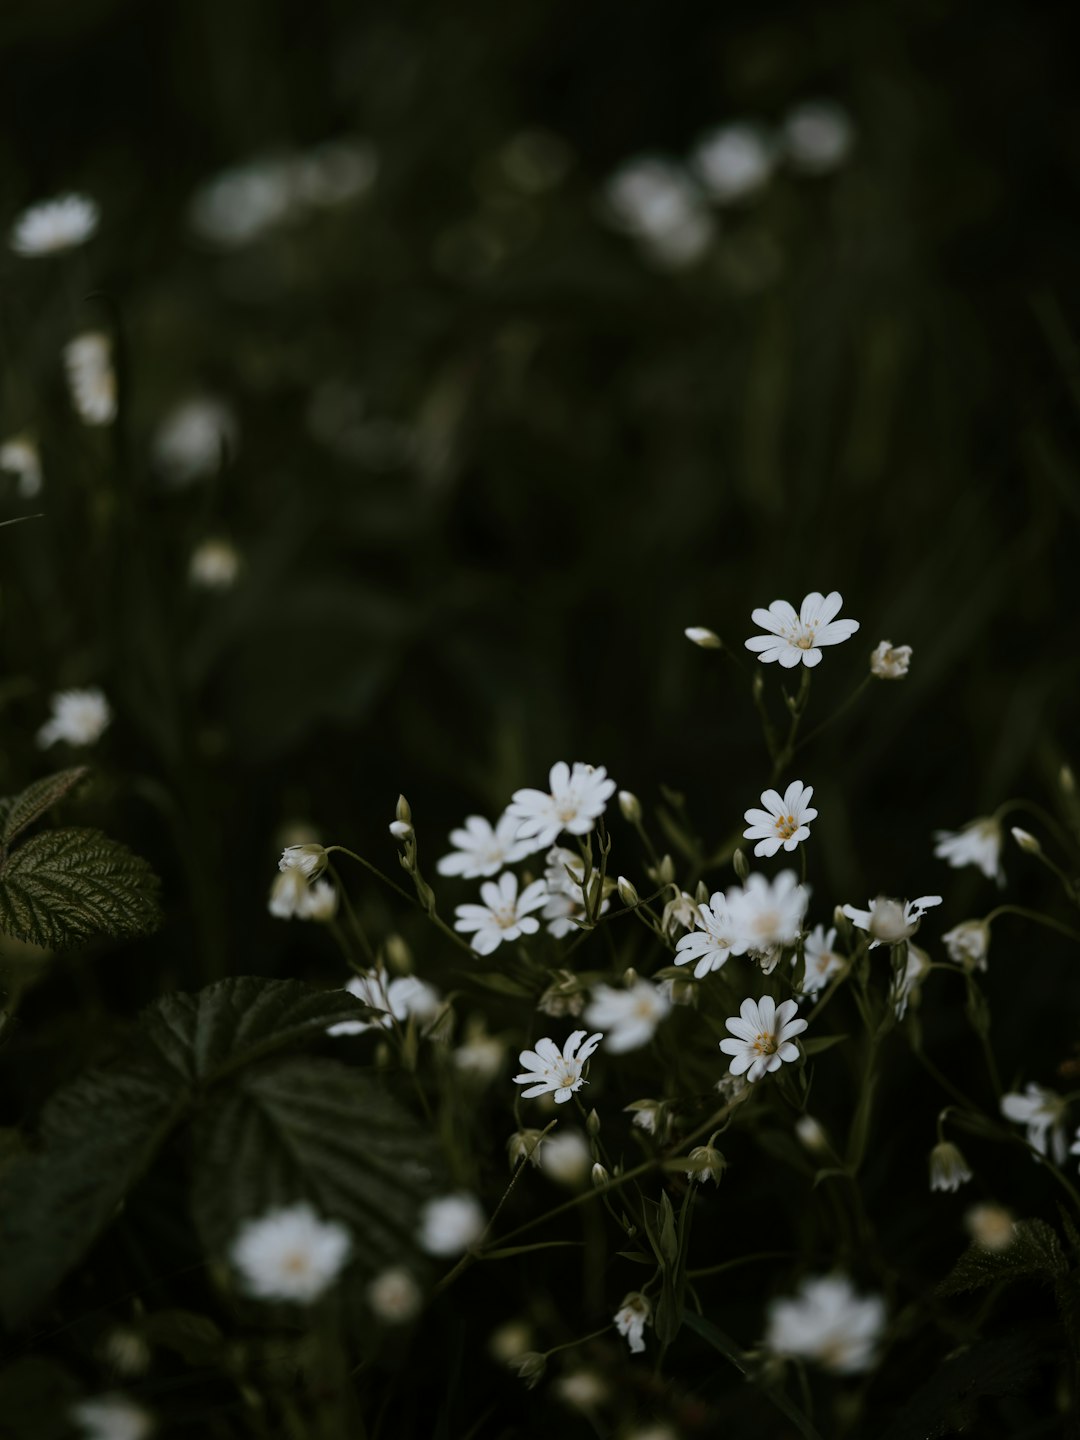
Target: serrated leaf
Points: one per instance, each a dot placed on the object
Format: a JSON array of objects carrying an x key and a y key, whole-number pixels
[
  {"x": 98, "y": 1135},
  {"x": 1036, "y": 1250},
  {"x": 33, "y": 802},
  {"x": 66, "y": 886},
  {"x": 237, "y": 1021},
  {"x": 316, "y": 1130},
  {"x": 946, "y": 1402}
]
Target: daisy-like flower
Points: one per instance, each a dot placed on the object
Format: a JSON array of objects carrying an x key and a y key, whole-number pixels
[
  {"x": 763, "y": 1034},
  {"x": 632, "y": 1316},
  {"x": 194, "y": 439},
  {"x": 1043, "y": 1112},
  {"x": 978, "y": 843},
  {"x": 769, "y": 913},
  {"x": 54, "y": 225},
  {"x": 968, "y": 944},
  {"x": 578, "y": 797},
  {"x": 111, "y": 1417},
  {"x": 784, "y": 821},
  {"x": 450, "y": 1224},
  {"x": 948, "y": 1168},
  {"x": 817, "y": 137},
  {"x": 483, "y": 850},
  {"x": 796, "y": 637},
  {"x": 822, "y": 961},
  {"x": 829, "y": 1324},
  {"x": 628, "y": 1017},
  {"x": 79, "y": 717},
  {"x": 214, "y": 564},
  {"x": 504, "y": 915},
  {"x": 889, "y": 662},
  {"x": 20, "y": 457},
  {"x": 547, "y": 1070},
  {"x": 889, "y": 921},
  {"x": 404, "y": 998},
  {"x": 735, "y": 161},
  {"x": 290, "y": 1254},
  {"x": 716, "y": 936},
  {"x": 91, "y": 378}
]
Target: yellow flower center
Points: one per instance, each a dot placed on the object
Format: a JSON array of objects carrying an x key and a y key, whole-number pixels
[
  {"x": 786, "y": 825},
  {"x": 765, "y": 1044}
]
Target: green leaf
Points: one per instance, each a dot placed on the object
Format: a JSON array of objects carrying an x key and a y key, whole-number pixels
[
  {"x": 98, "y": 1135},
  {"x": 237, "y": 1021},
  {"x": 66, "y": 886},
  {"x": 316, "y": 1130},
  {"x": 36, "y": 799},
  {"x": 1036, "y": 1251},
  {"x": 503, "y": 985},
  {"x": 947, "y": 1402}
]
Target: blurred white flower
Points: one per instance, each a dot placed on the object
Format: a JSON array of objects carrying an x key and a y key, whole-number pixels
[
  {"x": 214, "y": 564},
  {"x": 583, "y": 1389},
  {"x": 1043, "y": 1112},
  {"x": 978, "y": 843},
  {"x": 769, "y": 913},
  {"x": 968, "y": 944},
  {"x": 628, "y": 1017},
  {"x": 796, "y": 637},
  {"x": 565, "y": 1157},
  {"x": 827, "y": 1323},
  {"x": 890, "y": 662},
  {"x": 504, "y": 915},
  {"x": 193, "y": 440},
  {"x": 660, "y": 206},
  {"x": 716, "y": 935},
  {"x": 111, "y": 1417},
  {"x": 483, "y": 850},
  {"x": 290, "y": 1254},
  {"x": 811, "y": 1134},
  {"x": 318, "y": 902},
  {"x": 821, "y": 960},
  {"x": 578, "y": 797},
  {"x": 309, "y": 859},
  {"x": 79, "y": 717},
  {"x": 394, "y": 1296},
  {"x": 91, "y": 378},
  {"x": 785, "y": 820},
  {"x": 238, "y": 206},
  {"x": 632, "y": 1316},
  {"x": 735, "y": 161},
  {"x": 450, "y": 1224},
  {"x": 889, "y": 921},
  {"x": 948, "y": 1168},
  {"x": 335, "y": 172},
  {"x": 54, "y": 225},
  {"x": 763, "y": 1034},
  {"x": 991, "y": 1227},
  {"x": 817, "y": 137},
  {"x": 564, "y": 876},
  {"x": 706, "y": 639},
  {"x": 20, "y": 457},
  {"x": 480, "y": 1055},
  {"x": 404, "y": 998},
  {"x": 549, "y": 1070}
]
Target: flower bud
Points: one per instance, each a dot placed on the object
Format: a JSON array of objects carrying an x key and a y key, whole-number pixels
[
  {"x": 402, "y": 810},
  {"x": 1026, "y": 841},
  {"x": 592, "y": 1123},
  {"x": 705, "y": 1163},
  {"x": 889, "y": 663},
  {"x": 310, "y": 860},
  {"x": 811, "y": 1135},
  {"x": 524, "y": 1145},
  {"x": 968, "y": 944},
  {"x": 741, "y": 864},
  {"x": 1067, "y": 780},
  {"x": 398, "y": 955},
  {"x": 948, "y": 1168},
  {"x": 530, "y": 1366},
  {"x": 599, "y": 1175},
  {"x": 510, "y": 1340},
  {"x": 627, "y": 894},
  {"x": 400, "y": 829},
  {"x": 707, "y": 639},
  {"x": 630, "y": 807},
  {"x": 664, "y": 873}
]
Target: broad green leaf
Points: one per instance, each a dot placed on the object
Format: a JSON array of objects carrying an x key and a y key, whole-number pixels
[
  {"x": 66, "y": 886},
  {"x": 33, "y": 802},
  {"x": 234, "y": 1022},
  {"x": 315, "y": 1130},
  {"x": 1036, "y": 1251}
]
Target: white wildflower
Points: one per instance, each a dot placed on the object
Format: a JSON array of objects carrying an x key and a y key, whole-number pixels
[
  {"x": 583, "y": 1389},
  {"x": 565, "y": 1157},
  {"x": 309, "y": 859},
  {"x": 394, "y": 1296},
  {"x": 214, "y": 564},
  {"x": 706, "y": 1163},
  {"x": 796, "y": 637},
  {"x": 889, "y": 662},
  {"x": 567, "y": 884},
  {"x": 54, "y": 225},
  {"x": 290, "y": 1254},
  {"x": 480, "y": 1056},
  {"x": 632, "y": 1316},
  {"x": 450, "y": 1224},
  {"x": 482, "y": 850},
  {"x": 735, "y": 161},
  {"x": 889, "y": 921},
  {"x": 821, "y": 960},
  {"x": 79, "y": 717},
  {"x": 827, "y": 1322},
  {"x": 91, "y": 378},
  {"x": 628, "y": 1017},
  {"x": 660, "y": 206},
  {"x": 239, "y": 206},
  {"x": 968, "y": 944},
  {"x": 194, "y": 439},
  {"x": 978, "y": 843},
  {"x": 504, "y": 915},
  {"x": 111, "y": 1417},
  {"x": 20, "y": 457},
  {"x": 547, "y": 1070},
  {"x": 769, "y": 913},
  {"x": 578, "y": 797},
  {"x": 716, "y": 936},
  {"x": 1043, "y": 1112},
  {"x": 402, "y": 999},
  {"x": 948, "y": 1168},
  {"x": 817, "y": 137},
  {"x": 763, "y": 1034},
  {"x": 991, "y": 1227},
  {"x": 785, "y": 820}
]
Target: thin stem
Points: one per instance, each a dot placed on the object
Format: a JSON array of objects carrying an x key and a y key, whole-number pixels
[
  {"x": 1042, "y": 815},
  {"x": 1035, "y": 915},
  {"x": 840, "y": 709},
  {"x": 435, "y": 919}
]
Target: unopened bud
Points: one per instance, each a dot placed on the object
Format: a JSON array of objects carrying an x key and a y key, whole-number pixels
[
  {"x": 524, "y": 1145},
  {"x": 948, "y": 1168},
  {"x": 398, "y": 955},
  {"x": 628, "y": 894},
  {"x": 530, "y": 1366},
  {"x": 425, "y": 894},
  {"x": 741, "y": 864},
  {"x": 665, "y": 871},
  {"x": 400, "y": 829},
  {"x": 707, "y": 639},
  {"x": 600, "y": 1176},
  {"x": 705, "y": 1163},
  {"x": 1026, "y": 841},
  {"x": 811, "y": 1135},
  {"x": 1067, "y": 780},
  {"x": 758, "y": 685},
  {"x": 592, "y": 1124},
  {"x": 630, "y": 807},
  {"x": 402, "y": 810},
  {"x": 310, "y": 860}
]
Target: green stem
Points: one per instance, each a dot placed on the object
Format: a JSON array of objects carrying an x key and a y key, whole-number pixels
[
  {"x": 840, "y": 709},
  {"x": 435, "y": 919},
  {"x": 1038, "y": 918}
]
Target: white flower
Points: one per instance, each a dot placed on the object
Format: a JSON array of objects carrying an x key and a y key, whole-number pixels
[
  {"x": 991, "y": 1227},
  {"x": 482, "y": 850},
  {"x": 214, "y": 564},
  {"x": 567, "y": 883},
  {"x": 817, "y": 137},
  {"x": 706, "y": 639},
  {"x": 576, "y": 799},
  {"x": 548, "y": 1070},
  {"x": 822, "y": 961},
  {"x": 716, "y": 936},
  {"x": 111, "y": 1417},
  {"x": 450, "y": 1224},
  {"x": 735, "y": 161},
  {"x": 1043, "y": 1112},
  {"x": 630, "y": 1016},
  {"x": 54, "y": 225},
  {"x": 706, "y": 1163},
  {"x": 769, "y": 913},
  {"x": 916, "y": 966},
  {"x": 21, "y": 457},
  {"x": 889, "y": 921},
  {"x": 763, "y": 1034},
  {"x": 394, "y": 1296},
  {"x": 812, "y": 1134},
  {"x": 948, "y": 1168},
  {"x": 784, "y": 821},
  {"x": 968, "y": 944},
  {"x": 565, "y": 1157},
  {"x": 888, "y": 662},
  {"x": 680, "y": 913},
  {"x": 79, "y": 717},
  {"x": 318, "y": 902},
  {"x": 828, "y": 1323},
  {"x": 193, "y": 440},
  {"x": 480, "y": 1056},
  {"x": 657, "y": 203},
  {"x": 91, "y": 378},
  {"x": 240, "y": 205},
  {"x": 504, "y": 915},
  {"x": 631, "y": 1318},
  {"x": 309, "y": 859},
  {"x": 583, "y": 1389},
  {"x": 290, "y": 1254},
  {"x": 404, "y": 998},
  {"x": 798, "y": 637},
  {"x": 978, "y": 843}
]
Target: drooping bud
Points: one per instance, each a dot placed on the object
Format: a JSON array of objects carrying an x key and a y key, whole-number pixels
[
  {"x": 948, "y": 1168},
  {"x": 524, "y": 1145},
  {"x": 530, "y": 1366},
  {"x": 1026, "y": 841},
  {"x": 705, "y": 1163},
  {"x": 310, "y": 860},
  {"x": 707, "y": 639}
]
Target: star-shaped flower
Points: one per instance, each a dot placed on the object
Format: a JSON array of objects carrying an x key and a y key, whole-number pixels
[
  {"x": 482, "y": 849},
  {"x": 785, "y": 820},
  {"x": 504, "y": 915},
  {"x": 549, "y": 1070},
  {"x": 797, "y": 637},
  {"x": 889, "y": 921},
  {"x": 577, "y": 798},
  {"x": 763, "y": 1034}
]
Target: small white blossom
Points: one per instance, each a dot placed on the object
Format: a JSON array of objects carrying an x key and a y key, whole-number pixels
[
  {"x": 680, "y": 913},
  {"x": 20, "y": 457},
  {"x": 948, "y": 1168},
  {"x": 578, "y": 797},
  {"x": 549, "y": 1070},
  {"x": 735, "y": 161},
  {"x": 785, "y": 820},
  {"x": 889, "y": 921},
  {"x": 54, "y": 225},
  {"x": 706, "y": 1163},
  {"x": 318, "y": 902},
  {"x": 821, "y": 960},
  {"x": 450, "y": 1224},
  {"x": 1043, "y": 1112},
  {"x": 769, "y": 913},
  {"x": 111, "y": 1417},
  {"x": 309, "y": 859},
  {"x": 290, "y": 1254},
  {"x": 239, "y": 206},
  {"x": 394, "y": 1296},
  {"x": 978, "y": 843},
  {"x": 763, "y": 1034},
  {"x": 827, "y": 1322},
  {"x": 991, "y": 1227},
  {"x": 707, "y": 639},
  {"x": 479, "y": 1056},
  {"x": 817, "y": 137},
  {"x": 796, "y": 637},
  {"x": 889, "y": 662},
  {"x": 79, "y": 717},
  {"x": 91, "y": 378},
  {"x": 660, "y": 206},
  {"x": 214, "y": 564},
  {"x": 565, "y": 1157},
  {"x": 968, "y": 944},
  {"x": 632, "y": 1316},
  {"x": 404, "y": 998},
  {"x": 482, "y": 850},
  {"x": 583, "y": 1389},
  {"x": 193, "y": 439},
  {"x": 628, "y": 1017},
  {"x": 717, "y": 934},
  {"x": 504, "y": 915}
]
